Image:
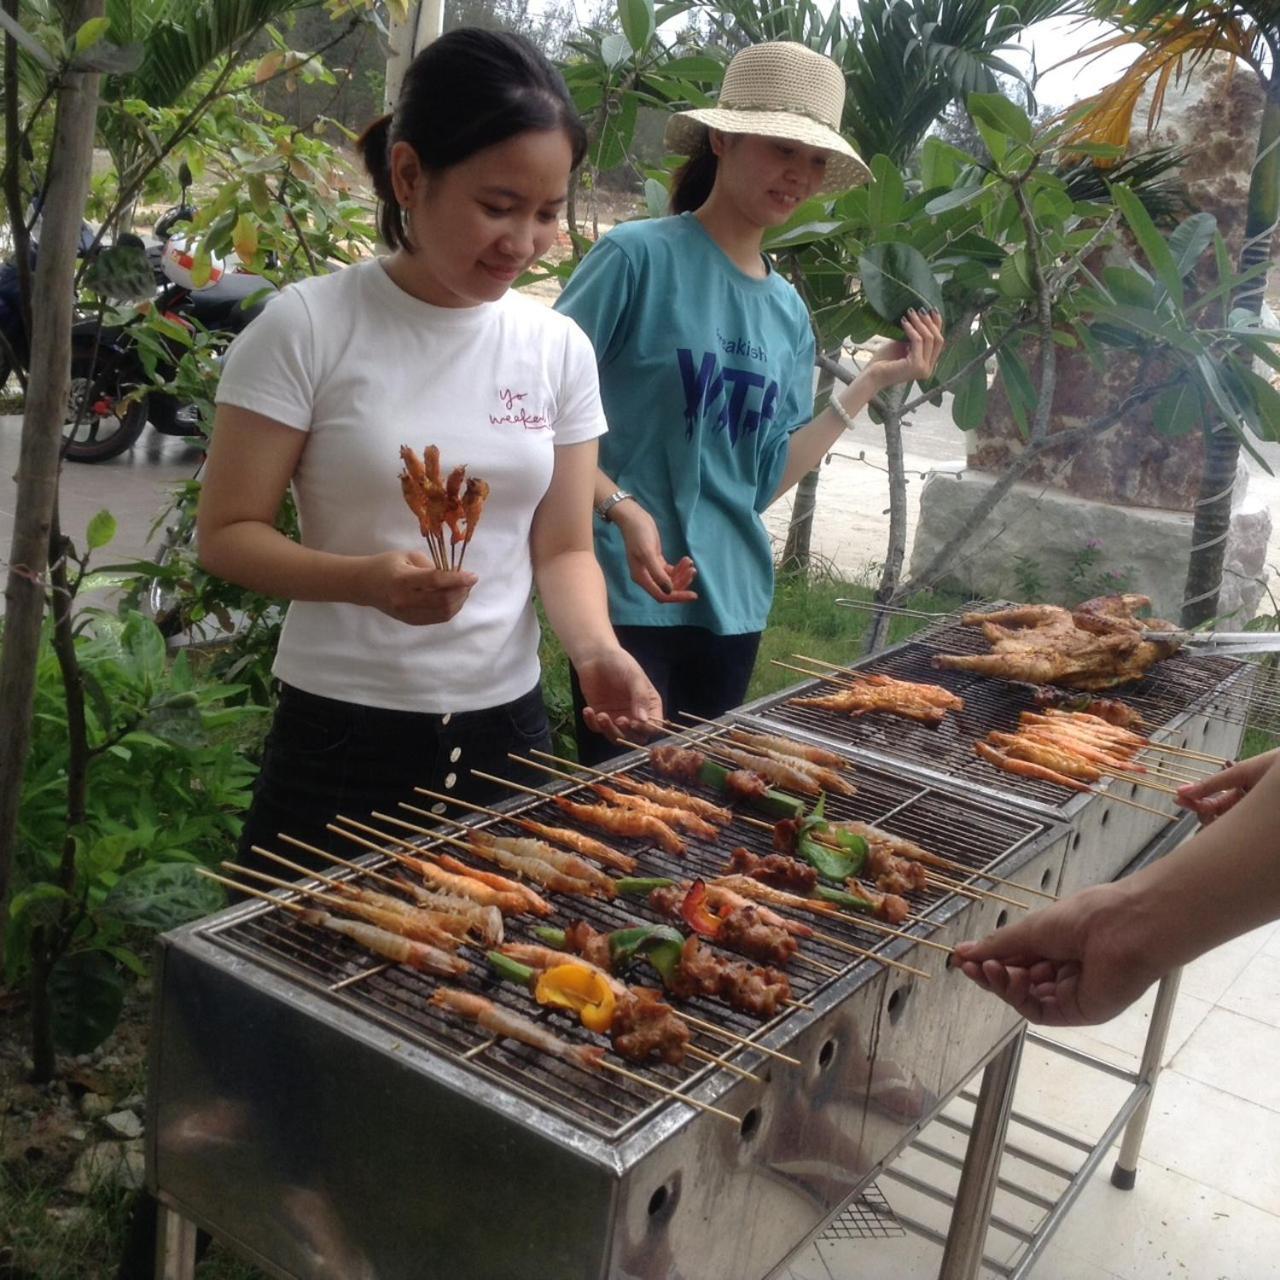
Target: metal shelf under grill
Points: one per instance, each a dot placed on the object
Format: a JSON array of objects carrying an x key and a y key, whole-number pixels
[{"x": 953, "y": 825}]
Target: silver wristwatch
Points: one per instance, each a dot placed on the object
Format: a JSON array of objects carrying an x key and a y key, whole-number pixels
[{"x": 617, "y": 496}]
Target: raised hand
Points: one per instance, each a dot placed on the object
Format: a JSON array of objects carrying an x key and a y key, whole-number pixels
[
  {"x": 667, "y": 583},
  {"x": 913, "y": 360}
]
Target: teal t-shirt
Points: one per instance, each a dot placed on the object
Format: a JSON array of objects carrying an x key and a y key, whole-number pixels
[{"x": 704, "y": 373}]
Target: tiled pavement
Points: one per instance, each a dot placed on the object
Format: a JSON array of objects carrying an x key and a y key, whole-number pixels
[{"x": 1207, "y": 1201}]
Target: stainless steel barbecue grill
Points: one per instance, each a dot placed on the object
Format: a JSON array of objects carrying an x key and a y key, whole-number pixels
[{"x": 312, "y": 1109}]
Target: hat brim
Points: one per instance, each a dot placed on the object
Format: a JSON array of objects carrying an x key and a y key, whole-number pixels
[{"x": 686, "y": 130}]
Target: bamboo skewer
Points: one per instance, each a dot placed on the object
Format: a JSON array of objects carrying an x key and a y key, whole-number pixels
[
  {"x": 848, "y": 767},
  {"x": 1218, "y": 761},
  {"x": 703, "y": 1056},
  {"x": 711, "y": 1029},
  {"x": 841, "y": 945},
  {"x": 1123, "y": 775},
  {"x": 670, "y": 1093},
  {"x": 403, "y": 885}
]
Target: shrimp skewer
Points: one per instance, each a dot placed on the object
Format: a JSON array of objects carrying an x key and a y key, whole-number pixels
[
  {"x": 391, "y": 946},
  {"x": 502, "y": 1022}
]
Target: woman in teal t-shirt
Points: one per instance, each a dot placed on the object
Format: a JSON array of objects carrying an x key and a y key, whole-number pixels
[{"x": 706, "y": 362}]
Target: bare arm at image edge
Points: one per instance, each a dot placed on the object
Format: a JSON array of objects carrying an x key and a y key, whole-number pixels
[{"x": 1088, "y": 957}]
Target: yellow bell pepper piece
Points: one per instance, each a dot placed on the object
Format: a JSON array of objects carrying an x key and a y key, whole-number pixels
[{"x": 580, "y": 988}]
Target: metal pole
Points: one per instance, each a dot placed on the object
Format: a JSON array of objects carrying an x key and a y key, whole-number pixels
[
  {"x": 175, "y": 1246},
  {"x": 967, "y": 1234},
  {"x": 1125, "y": 1173}
]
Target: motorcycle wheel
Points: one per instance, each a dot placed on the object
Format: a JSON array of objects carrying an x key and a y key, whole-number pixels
[{"x": 105, "y": 428}]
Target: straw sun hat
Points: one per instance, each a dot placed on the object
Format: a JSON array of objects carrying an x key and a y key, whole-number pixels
[{"x": 780, "y": 90}]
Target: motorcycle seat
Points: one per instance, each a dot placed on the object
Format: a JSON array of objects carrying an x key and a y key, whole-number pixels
[{"x": 219, "y": 306}]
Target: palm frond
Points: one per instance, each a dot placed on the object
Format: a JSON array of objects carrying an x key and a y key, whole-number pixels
[{"x": 1109, "y": 118}]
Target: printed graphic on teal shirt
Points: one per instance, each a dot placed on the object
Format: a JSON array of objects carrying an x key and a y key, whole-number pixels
[{"x": 752, "y": 400}]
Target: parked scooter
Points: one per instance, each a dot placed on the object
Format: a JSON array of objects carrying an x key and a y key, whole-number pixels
[{"x": 105, "y": 416}]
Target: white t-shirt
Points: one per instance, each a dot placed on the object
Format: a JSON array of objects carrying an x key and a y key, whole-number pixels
[{"x": 364, "y": 367}]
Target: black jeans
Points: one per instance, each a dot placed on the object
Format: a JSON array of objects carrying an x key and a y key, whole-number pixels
[
  {"x": 324, "y": 757},
  {"x": 693, "y": 669}
]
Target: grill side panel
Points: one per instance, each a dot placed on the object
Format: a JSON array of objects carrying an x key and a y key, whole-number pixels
[{"x": 316, "y": 1148}]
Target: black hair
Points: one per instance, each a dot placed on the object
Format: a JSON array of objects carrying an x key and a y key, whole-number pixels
[
  {"x": 467, "y": 90},
  {"x": 694, "y": 179}
]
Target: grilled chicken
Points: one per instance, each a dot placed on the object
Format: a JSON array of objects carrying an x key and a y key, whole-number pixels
[{"x": 1094, "y": 647}]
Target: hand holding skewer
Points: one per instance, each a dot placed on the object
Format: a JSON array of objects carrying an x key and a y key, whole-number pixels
[
  {"x": 406, "y": 586},
  {"x": 1211, "y": 797}
]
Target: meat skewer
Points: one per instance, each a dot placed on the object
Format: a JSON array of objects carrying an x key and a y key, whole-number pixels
[
  {"x": 617, "y": 821},
  {"x": 575, "y": 840},
  {"x": 524, "y": 857},
  {"x": 913, "y": 690},
  {"x": 822, "y": 776},
  {"x": 672, "y": 796},
  {"x": 753, "y": 889},
  {"x": 516, "y": 852},
  {"x": 414, "y": 926},
  {"x": 504, "y": 1023},
  {"x": 859, "y": 695},
  {"x": 486, "y": 921},
  {"x": 695, "y": 971},
  {"x": 510, "y": 896},
  {"x": 390, "y": 946}
]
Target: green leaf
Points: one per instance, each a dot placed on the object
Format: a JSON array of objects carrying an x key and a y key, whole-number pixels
[
  {"x": 102, "y": 528},
  {"x": 615, "y": 49},
  {"x": 637, "y": 20},
  {"x": 896, "y": 277},
  {"x": 163, "y": 895},
  {"x": 1259, "y": 398},
  {"x": 941, "y": 163},
  {"x": 996, "y": 111},
  {"x": 1150, "y": 240},
  {"x": 1178, "y": 411},
  {"x": 90, "y": 33},
  {"x": 656, "y": 197},
  {"x": 886, "y": 193},
  {"x": 39, "y": 904},
  {"x": 1129, "y": 286},
  {"x": 1017, "y": 385},
  {"x": 955, "y": 199},
  {"x": 87, "y": 994},
  {"x": 1014, "y": 280},
  {"x": 259, "y": 194},
  {"x": 1190, "y": 239},
  {"x": 969, "y": 404},
  {"x": 122, "y": 273}
]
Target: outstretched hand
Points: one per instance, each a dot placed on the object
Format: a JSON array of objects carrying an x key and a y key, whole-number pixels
[
  {"x": 914, "y": 359},
  {"x": 621, "y": 701},
  {"x": 1069, "y": 965}
]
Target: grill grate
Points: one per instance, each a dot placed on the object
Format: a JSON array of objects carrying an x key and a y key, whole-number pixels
[
  {"x": 1170, "y": 689},
  {"x": 953, "y": 826},
  {"x": 868, "y": 1216}
]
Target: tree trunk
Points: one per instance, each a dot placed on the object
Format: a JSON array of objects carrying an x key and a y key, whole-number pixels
[
  {"x": 896, "y": 550},
  {"x": 796, "y": 552},
  {"x": 1222, "y": 446},
  {"x": 71, "y": 159}
]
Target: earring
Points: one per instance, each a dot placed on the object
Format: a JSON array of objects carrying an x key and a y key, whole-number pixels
[{"x": 406, "y": 219}]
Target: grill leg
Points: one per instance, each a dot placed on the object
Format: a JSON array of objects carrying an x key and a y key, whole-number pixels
[
  {"x": 175, "y": 1246},
  {"x": 967, "y": 1234},
  {"x": 1125, "y": 1173}
]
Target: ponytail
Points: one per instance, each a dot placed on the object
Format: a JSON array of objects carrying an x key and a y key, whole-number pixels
[
  {"x": 694, "y": 179},
  {"x": 375, "y": 150}
]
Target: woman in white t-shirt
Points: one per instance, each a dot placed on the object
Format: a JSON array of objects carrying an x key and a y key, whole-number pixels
[{"x": 393, "y": 672}]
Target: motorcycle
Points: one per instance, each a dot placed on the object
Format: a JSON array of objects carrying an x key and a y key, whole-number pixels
[{"x": 106, "y": 412}]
